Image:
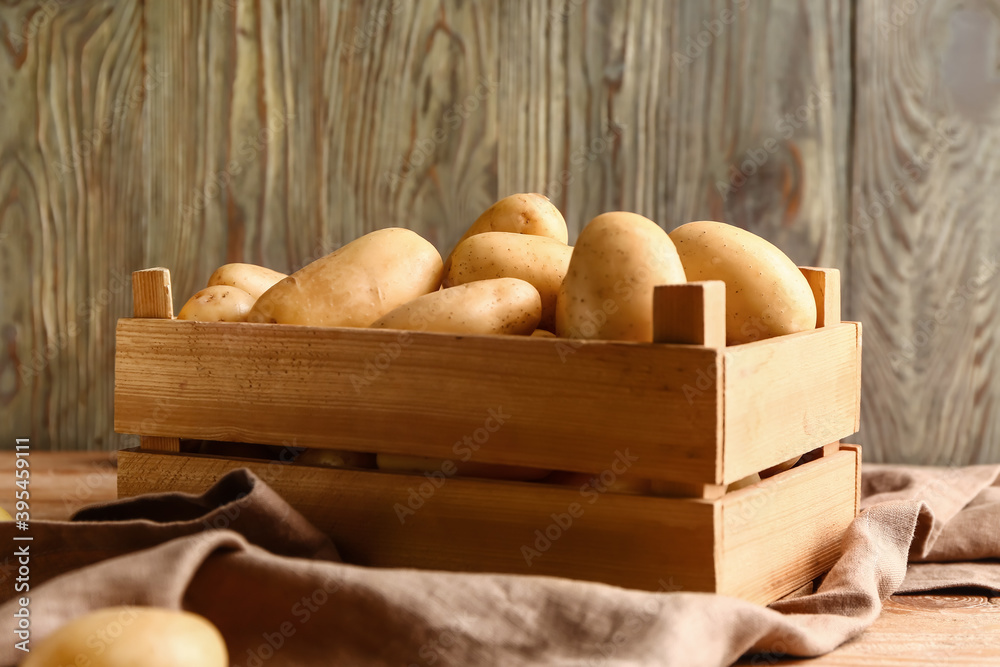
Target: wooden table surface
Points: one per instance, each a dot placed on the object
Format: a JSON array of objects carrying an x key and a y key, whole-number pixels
[{"x": 912, "y": 630}]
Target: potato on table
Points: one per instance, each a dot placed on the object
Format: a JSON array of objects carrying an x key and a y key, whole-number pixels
[
  {"x": 539, "y": 260},
  {"x": 356, "y": 284},
  {"x": 498, "y": 306},
  {"x": 129, "y": 636},
  {"x": 218, "y": 303}
]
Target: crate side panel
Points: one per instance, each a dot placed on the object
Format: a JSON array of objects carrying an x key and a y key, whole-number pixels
[
  {"x": 535, "y": 402},
  {"x": 787, "y": 530},
  {"x": 785, "y": 396},
  {"x": 395, "y": 520}
]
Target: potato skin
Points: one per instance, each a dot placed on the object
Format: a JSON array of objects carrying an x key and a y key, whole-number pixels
[
  {"x": 523, "y": 213},
  {"x": 541, "y": 261},
  {"x": 356, "y": 284},
  {"x": 766, "y": 294},
  {"x": 451, "y": 467},
  {"x": 608, "y": 291},
  {"x": 496, "y": 306},
  {"x": 127, "y": 636},
  {"x": 252, "y": 279},
  {"x": 218, "y": 303}
]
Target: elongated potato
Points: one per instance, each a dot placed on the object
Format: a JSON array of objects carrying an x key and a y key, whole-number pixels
[
  {"x": 524, "y": 213},
  {"x": 356, "y": 284},
  {"x": 252, "y": 279},
  {"x": 766, "y": 294},
  {"x": 539, "y": 260},
  {"x": 452, "y": 467},
  {"x": 636, "y": 486},
  {"x": 497, "y": 306},
  {"x": 218, "y": 303},
  {"x": 336, "y": 458},
  {"x": 128, "y": 636},
  {"x": 608, "y": 291}
]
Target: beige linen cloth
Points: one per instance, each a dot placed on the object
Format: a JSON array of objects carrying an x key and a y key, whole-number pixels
[{"x": 277, "y": 590}]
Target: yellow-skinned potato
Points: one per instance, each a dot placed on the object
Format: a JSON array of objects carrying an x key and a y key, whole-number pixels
[
  {"x": 356, "y": 284},
  {"x": 608, "y": 291},
  {"x": 542, "y": 333},
  {"x": 539, "y": 260},
  {"x": 452, "y": 467},
  {"x": 218, "y": 303},
  {"x": 252, "y": 279},
  {"x": 524, "y": 213},
  {"x": 636, "y": 486},
  {"x": 336, "y": 458},
  {"x": 497, "y": 306},
  {"x": 128, "y": 636},
  {"x": 766, "y": 294}
]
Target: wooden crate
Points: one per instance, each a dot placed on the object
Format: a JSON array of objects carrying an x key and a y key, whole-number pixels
[{"x": 687, "y": 411}]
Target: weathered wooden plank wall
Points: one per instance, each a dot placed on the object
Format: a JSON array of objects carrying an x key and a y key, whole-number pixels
[{"x": 272, "y": 131}]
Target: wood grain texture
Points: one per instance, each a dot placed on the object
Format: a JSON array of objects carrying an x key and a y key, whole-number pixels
[
  {"x": 385, "y": 519},
  {"x": 72, "y": 86},
  {"x": 924, "y": 244},
  {"x": 690, "y": 313},
  {"x": 562, "y": 405}
]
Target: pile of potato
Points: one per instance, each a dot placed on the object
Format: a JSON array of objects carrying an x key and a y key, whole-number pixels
[{"x": 513, "y": 273}]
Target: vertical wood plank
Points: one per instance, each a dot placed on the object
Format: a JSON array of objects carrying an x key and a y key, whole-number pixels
[
  {"x": 924, "y": 244},
  {"x": 72, "y": 87},
  {"x": 690, "y": 313}
]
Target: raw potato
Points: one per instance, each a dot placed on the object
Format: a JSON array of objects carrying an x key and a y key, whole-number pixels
[
  {"x": 450, "y": 467},
  {"x": 336, "y": 458},
  {"x": 218, "y": 303},
  {"x": 608, "y": 291},
  {"x": 252, "y": 279},
  {"x": 749, "y": 480},
  {"x": 498, "y": 306},
  {"x": 525, "y": 213},
  {"x": 766, "y": 294},
  {"x": 356, "y": 284},
  {"x": 539, "y": 260},
  {"x": 635, "y": 486},
  {"x": 129, "y": 636},
  {"x": 542, "y": 333},
  {"x": 781, "y": 467}
]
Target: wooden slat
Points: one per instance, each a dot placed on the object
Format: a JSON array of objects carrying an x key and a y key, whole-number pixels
[
  {"x": 151, "y": 294},
  {"x": 810, "y": 504},
  {"x": 563, "y": 405},
  {"x": 786, "y": 395},
  {"x": 471, "y": 525},
  {"x": 151, "y": 298},
  {"x": 825, "y": 285},
  {"x": 690, "y": 313}
]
